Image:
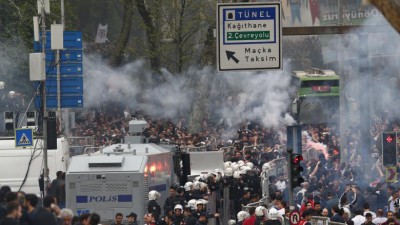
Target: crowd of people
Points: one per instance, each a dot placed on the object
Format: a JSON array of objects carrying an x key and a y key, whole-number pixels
[
  {"x": 351, "y": 192},
  {"x": 331, "y": 187},
  {"x": 19, "y": 208},
  {"x": 110, "y": 128}
]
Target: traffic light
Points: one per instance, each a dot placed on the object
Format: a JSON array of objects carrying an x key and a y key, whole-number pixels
[
  {"x": 30, "y": 119},
  {"x": 296, "y": 170},
  {"x": 9, "y": 120},
  {"x": 389, "y": 148}
]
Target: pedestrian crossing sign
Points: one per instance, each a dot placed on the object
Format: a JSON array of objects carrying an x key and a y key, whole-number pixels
[{"x": 23, "y": 137}]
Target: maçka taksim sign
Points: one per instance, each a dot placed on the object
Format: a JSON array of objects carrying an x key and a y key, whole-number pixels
[{"x": 249, "y": 36}]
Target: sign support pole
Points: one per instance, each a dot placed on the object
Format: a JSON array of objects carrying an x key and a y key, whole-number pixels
[
  {"x": 289, "y": 167},
  {"x": 44, "y": 102}
]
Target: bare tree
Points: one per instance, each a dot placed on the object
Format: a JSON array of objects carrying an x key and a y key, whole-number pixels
[
  {"x": 391, "y": 10},
  {"x": 116, "y": 57},
  {"x": 152, "y": 34},
  {"x": 185, "y": 25}
]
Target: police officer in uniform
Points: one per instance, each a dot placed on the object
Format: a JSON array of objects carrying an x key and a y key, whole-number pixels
[{"x": 153, "y": 207}]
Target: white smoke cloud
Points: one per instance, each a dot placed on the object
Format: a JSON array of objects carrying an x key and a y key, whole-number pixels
[
  {"x": 13, "y": 57},
  {"x": 254, "y": 96},
  {"x": 259, "y": 96},
  {"x": 383, "y": 51},
  {"x": 103, "y": 83}
]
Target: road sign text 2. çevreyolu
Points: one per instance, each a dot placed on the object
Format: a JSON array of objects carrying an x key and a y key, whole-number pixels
[{"x": 249, "y": 36}]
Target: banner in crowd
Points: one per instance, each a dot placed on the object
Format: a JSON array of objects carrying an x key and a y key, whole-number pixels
[
  {"x": 391, "y": 174},
  {"x": 101, "y": 36}
]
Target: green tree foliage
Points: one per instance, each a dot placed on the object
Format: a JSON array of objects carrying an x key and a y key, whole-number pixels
[{"x": 16, "y": 40}]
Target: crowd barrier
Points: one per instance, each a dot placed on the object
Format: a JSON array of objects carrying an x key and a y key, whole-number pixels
[
  {"x": 229, "y": 151},
  {"x": 194, "y": 149},
  {"x": 262, "y": 201},
  {"x": 253, "y": 148},
  {"x": 278, "y": 168},
  {"x": 320, "y": 220},
  {"x": 77, "y": 145}
]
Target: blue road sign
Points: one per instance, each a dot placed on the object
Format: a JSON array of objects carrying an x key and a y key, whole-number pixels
[
  {"x": 72, "y": 40},
  {"x": 71, "y": 71},
  {"x": 23, "y": 137},
  {"x": 66, "y": 56},
  {"x": 73, "y": 101},
  {"x": 65, "y": 69},
  {"x": 69, "y": 86},
  {"x": 67, "y": 101}
]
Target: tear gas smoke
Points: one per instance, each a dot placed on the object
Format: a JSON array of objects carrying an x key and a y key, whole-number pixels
[
  {"x": 254, "y": 96},
  {"x": 257, "y": 96},
  {"x": 13, "y": 57}
]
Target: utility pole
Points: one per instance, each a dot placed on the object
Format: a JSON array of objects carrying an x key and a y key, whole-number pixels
[
  {"x": 364, "y": 96},
  {"x": 343, "y": 120},
  {"x": 289, "y": 169},
  {"x": 59, "y": 64},
  {"x": 44, "y": 107}
]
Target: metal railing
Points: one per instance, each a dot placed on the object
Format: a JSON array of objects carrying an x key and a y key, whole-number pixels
[
  {"x": 194, "y": 149},
  {"x": 279, "y": 167},
  {"x": 262, "y": 201},
  {"x": 253, "y": 148},
  {"x": 80, "y": 141},
  {"x": 91, "y": 149},
  {"x": 77, "y": 145},
  {"x": 321, "y": 220}
]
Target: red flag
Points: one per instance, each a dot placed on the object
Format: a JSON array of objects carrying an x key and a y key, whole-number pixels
[{"x": 314, "y": 10}]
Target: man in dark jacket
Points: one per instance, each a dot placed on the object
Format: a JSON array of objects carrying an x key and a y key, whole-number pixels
[
  {"x": 30, "y": 203},
  {"x": 188, "y": 218},
  {"x": 171, "y": 201},
  {"x": 13, "y": 214},
  {"x": 153, "y": 207},
  {"x": 333, "y": 200},
  {"x": 9, "y": 197},
  {"x": 337, "y": 215},
  {"x": 202, "y": 219},
  {"x": 45, "y": 214},
  {"x": 132, "y": 217},
  {"x": 371, "y": 198}
]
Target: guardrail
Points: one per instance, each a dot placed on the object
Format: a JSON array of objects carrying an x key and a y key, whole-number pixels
[
  {"x": 196, "y": 149},
  {"x": 79, "y": 141},
  {"x": 77, "y": 145},
  {"x": 321, "y": 220},
  {"x": 278, "y": 168},
  {"x": 92, "y": 149},
  {"x": 262, "y": 201}
]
